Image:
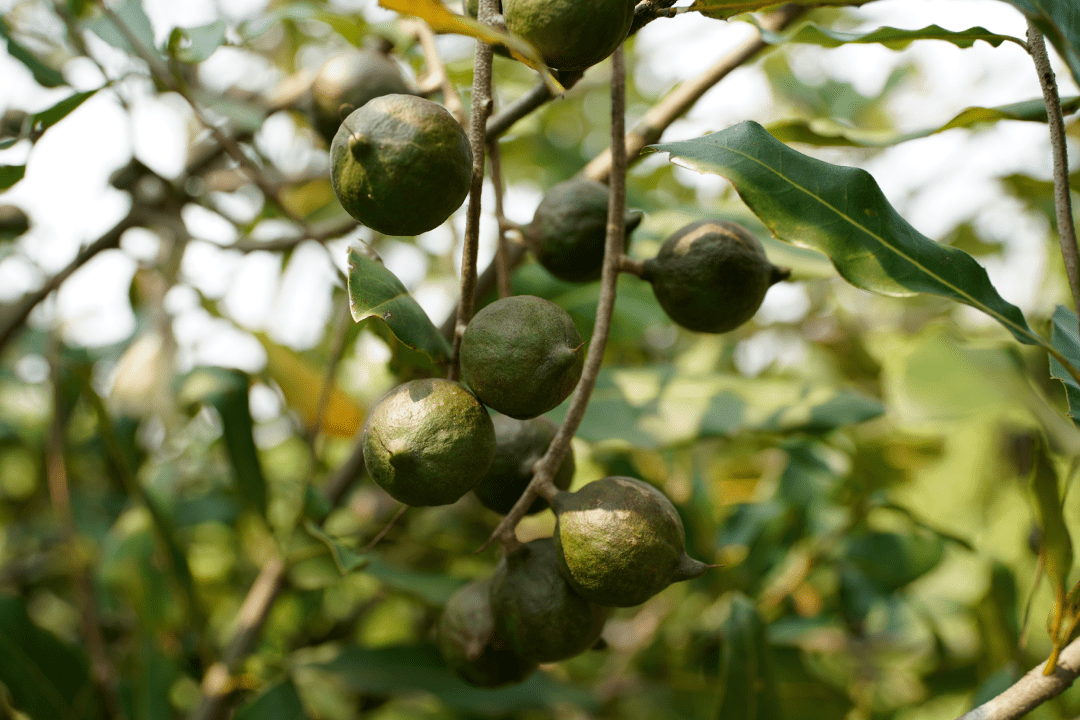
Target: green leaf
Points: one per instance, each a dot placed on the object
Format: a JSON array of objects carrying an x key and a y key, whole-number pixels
[
  {"x": 43, "y": 74},
  {"x": 832, "y": 132},
  {"x": 47, "y": 679},
  {"x": 226, "y": 390},
  {"x": 842, "y": 212},
  {"x": 11, "y": 174},
  {"x": 432, "y": 588},
  {"x": 136, "y": 24},
  {"x": 280, "y": 702},
  {"x": 727, "y": 8},
  {"x": 1065, "y": 337},
  {"x": 374, "y": 291},
  {"x": 891, "y": 560},
  {"x": 1060, "y": 23},
  {"x": 890, "y": 37},
  {"x": 400, "y": 670},
  {"x": 746, "y": 687},
  {"x": 193, "y": 45},
  {"x": 50, "y": 116},
  {"x": 1056, "y": 545},
  {"x": 152, "y": 678},
  {"x": 344, "y": 556}
]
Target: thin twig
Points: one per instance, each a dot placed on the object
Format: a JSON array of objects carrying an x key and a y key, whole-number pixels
[
  {"x": 648, "y": 10},
  {"x": 1062, "y": 200},
  {"x": 502, "y": 264},
  {"x": 436, "y": 69},
  {"x": 681, "y": 99},
  {"x": 1032, "y": 690},
  {"x": 541, "y": 484},
  {"x": 13, "y": 316},
  {"x": 631, "y": 266},
  {"x": 478, "y": 114},
  {"x": 386, "y": 528},
  {"x": 329, "y": 232},
  {"x": 499, "y": 124}
]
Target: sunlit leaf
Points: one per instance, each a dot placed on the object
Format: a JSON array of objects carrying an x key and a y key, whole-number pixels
[
  {"x": 831, "y": 132},
  {"x": 11, "y": 174},
  {"x": 842, "y": 212},
  {"x": 47, "y": 679},
  {"x": 746, "y": 683},
  {"x": 193, "y": 45},
  {"x": 727, "y": 8},
  {"x": 441, "y": 20},
  {"x": 396, "y": 671},
  {"x": 890, "y": 37},
  {"x": 302, "y": 384},
  {"x": 43, "y": 74},
  {"x": 280, "y": 702},
  {"x": 226, "y": 390},
  {"x": 1056, "y": 546},
  {"x": 136, "y": 28},
  {"x": 1065, "y": 337},
  {"x": 374, "y": 291},
  {"x": 1060, "y": 23}
]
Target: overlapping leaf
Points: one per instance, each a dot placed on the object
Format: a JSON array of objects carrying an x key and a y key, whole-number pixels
[
  {"x": 830, "y": 132},
  {"x": 1059, "y": 21},
  {"x": 1065, "y": 337},
  {"x": 1056, "y": 547},
  {"x": 842, "y": 212},
  {"x": 374, "y": 291}
]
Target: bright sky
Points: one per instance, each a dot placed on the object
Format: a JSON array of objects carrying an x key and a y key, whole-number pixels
[{"x": 934, "y": 182}]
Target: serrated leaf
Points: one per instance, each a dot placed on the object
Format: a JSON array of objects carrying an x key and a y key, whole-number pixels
[
  {"x": 831, "y": 132},
  {"x": 193, "y": 45},
  {"x": 1065, "y": 337},
  {"x": 50, "y": 116},
  {"x": 11, "y": 174},
  {"x": 43, "y": 74},
  {"x": 441, "y": 20},
  {"x": 746, "y": 688},
  {"x": 345, "y": 558},
  {"x": 48, "y": 679},
  {"x": 1060, "y": 23},
  {"x": 842, "y": 212},
  {"x": 890, "y": 37},
  {"x": 136, "y": 24},
  {"x": 280, "y": 702},
  {"x": 226, "y": 390},
  {"x": 374, "y": 291},
  {"x": 1056, "y": 546},
  {"x": 727, "y": 8}
]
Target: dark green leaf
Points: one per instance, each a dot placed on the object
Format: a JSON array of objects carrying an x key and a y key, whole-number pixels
[
  {"x": 842, "y": 212},
  {"x": 7, "y": 142},
  {"x": 433, "y": 588},
  {"x": 227, "y": 391},
  {"x": 1065, "y": 337},
  {"x": 831, "y": 132},
  {"x": 153, "y": 678},
  {"x": 193, "y": 45},
  {"x": 11, "y": 174},
  {"x": 1056, "y": 547},
  {"x": 43, "y": 74},
  {"x": 727, "y": 8},
  {"x": 374, "y": 291},
  {"x": 47, "y": 679},
  {"x": 892, "y": 560},
  {"x": 746, "y": 687},
  {"x": 890, "y": 37},
  {"x": 50, "y": 116},
  {"x": 280, "y": 702},
  {"x": 136, "y": 25},
  {"x": 400, "y": 670},
  {"x": 344, "y": 556},
  {"x": 1060, "y": 23}
]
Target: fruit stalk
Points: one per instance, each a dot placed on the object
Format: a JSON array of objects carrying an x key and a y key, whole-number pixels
[
  {"x": 1062, "y": 199},
  {"x": 541, "y": 484},
  {"x": 436, "y": 74},
  {"x": 478, "y": 114}
]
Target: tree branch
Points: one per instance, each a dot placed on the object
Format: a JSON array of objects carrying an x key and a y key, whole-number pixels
[
  {"x": 1062, "y": 199},
  {"x": 678, "y": 101},
  {"x": 1032, "y": 690},
  {"x": 541, "y": 484}
]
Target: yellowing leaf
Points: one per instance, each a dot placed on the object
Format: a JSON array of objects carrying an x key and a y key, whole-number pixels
[
  {"x": 441, "y": 20},
  {"x": 302, "y": 385}
]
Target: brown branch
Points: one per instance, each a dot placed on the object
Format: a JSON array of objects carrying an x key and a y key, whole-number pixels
[
  {"x": 1032, "y": 690},
  {"x": 436, "y": 69},
  {"x": 681, "y": 99},
  {"x": 1062, "y": 200},
  {"x": 479, "y": 111},
  {"x": 502, "y": 251},
  {"x": 499, "y": 124},
  {"x": 14, "y": 315},
  {"x": 648, "y": 10},
  {"x": 541, "y": 484},
  {"x": 329, "y": 232},
  {"x": 631, "y": 266}
]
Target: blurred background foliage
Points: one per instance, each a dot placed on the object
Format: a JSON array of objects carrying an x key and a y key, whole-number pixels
[{"x": 858, "y": 466}]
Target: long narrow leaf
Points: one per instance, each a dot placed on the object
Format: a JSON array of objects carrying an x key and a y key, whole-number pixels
[
  {"x": 1064, "y": 337},
  {"x": 890, "y": 37},
  {"x": 727, "y": 8},
  {"x": 1056, "y": 544},
  {"x": 746, "y": 688},
  {"x": 842, "y": 212},
  {"x": 50, "y": 116}
]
